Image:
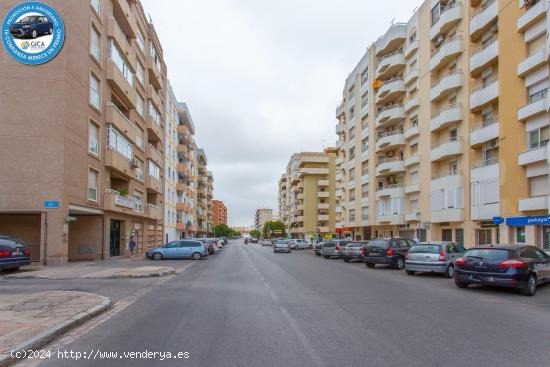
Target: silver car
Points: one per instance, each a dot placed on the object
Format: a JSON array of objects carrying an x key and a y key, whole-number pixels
[
  {"x": 299, "y": 244},
  {"x": 333, "y": 248},
  {"x": 433, "y": 257},
  {"x": 282, "y": 246}
]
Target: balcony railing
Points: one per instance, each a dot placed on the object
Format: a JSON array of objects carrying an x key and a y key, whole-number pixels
[
  {"x": 444, "y": 75},
  {"x": 485, "y": 163},
  {"x": 447, "y": 41},
  {"x": 452, "y": 172},
  {"x": 390, "y": 55},
  {"x": 490, "y": 121},
  {"x": 446, "y": 141},
  {"x": 485, "y": 84},
  {"x": 390, "y": 133},
  {"x": 449, "y": 107},
  {"x": 538, "y": 96},
  {"x": 444, "y": 9},
  {"x": 390, "y": 186},
  {"x": 390, "y": 159},
  {"x": 485, "y": 45}
]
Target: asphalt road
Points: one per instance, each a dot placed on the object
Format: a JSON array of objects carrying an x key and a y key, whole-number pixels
[{"x": 250, "y": 307}]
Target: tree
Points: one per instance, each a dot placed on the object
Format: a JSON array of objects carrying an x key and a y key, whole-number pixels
[
  {"x": 222, "y": 230},
  {"x": 277, "y": 228},
  {"x": 255, "y": 233}
]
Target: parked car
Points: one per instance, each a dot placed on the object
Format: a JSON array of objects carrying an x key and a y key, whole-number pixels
[
  {"x": 253, "y": 240},
  {"x": 353, "y": 251},
  {"x": 32, "y": 26},
  {"x": 433, "y": 257},
  {"x": 267, "y": 243},
  {"x": 333, "y": 248},
  {"x": 210, "y": 246},
  {"x": 299, "y": 244},
  {"x": 387, "y": 251},
  {"x": 282, "y": 246},
  {"x": 318, "y": 247},
  {"x": 13, "y": 253},
  {"x": 522, "y": 267},
  {"x": 179, "y": 250}
]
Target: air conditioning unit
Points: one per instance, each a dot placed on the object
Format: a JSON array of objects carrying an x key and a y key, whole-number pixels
[{"x": 134, "y": 162}]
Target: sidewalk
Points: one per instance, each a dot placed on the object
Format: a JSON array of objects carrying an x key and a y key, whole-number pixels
[
  {"x": 136, "y": 267},
  {"x": 29, "y": 321}
]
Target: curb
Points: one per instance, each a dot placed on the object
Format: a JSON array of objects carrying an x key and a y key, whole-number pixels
[
  {"x": 115, "y": 276},
  {"x": 52, "y": 333}
]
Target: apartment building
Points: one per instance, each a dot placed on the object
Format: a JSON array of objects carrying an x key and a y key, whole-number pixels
[
  {"x": 209, "y": 204},
  {"x": 219, "y": 212},
  {"x": 170, "y": 164},
  {"x": 262, "y": 216},
  {"x": 421, "y": 121},
  {"x": 83, "y": 169},
  {"x": 186, "y": 174},
  {"x": 307, "y": 194},
  {"x": 205, "y": 192}
]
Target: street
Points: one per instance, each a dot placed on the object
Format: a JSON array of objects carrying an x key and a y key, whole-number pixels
[{"x": 250, "y": 307}]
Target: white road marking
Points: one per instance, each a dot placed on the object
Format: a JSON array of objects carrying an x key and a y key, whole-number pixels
[{"x": 303, "y": 339}]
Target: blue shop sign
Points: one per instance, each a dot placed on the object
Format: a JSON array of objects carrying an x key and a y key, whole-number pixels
[
  {"x": 528, "y": 221},
  {"x": 53, "y": 204},
  {"x": 498, "y": 220}
]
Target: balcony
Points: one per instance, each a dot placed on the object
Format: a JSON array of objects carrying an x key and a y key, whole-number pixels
[
  {"x": 413, "y": 159},
  {"x": 153, "y": 96},
  {"x": 447, "y": 149},
  {"x": 411, "y": 47},
  {"x": 535, "y": 155},
  {"x": 115, "y": 32},
  {"x": 390, "y": 64},
  {"x": 448, "y": 83},
  {"x": 447, "y": 51},
  {"x": 390, "y": 166},
  {"x": 153, "y": 185},
  {"x": 390, "y": 90},
  {"x": 411, "y": 104},
  {"x": 340, "y": 129},
  {"x": 532, "y": 62},
  {"x": 323, "y": 206},
  {"x": 451, "y": 179},
  {"x": 115, "y": 161},
  {"x": 412, "y": 76},
  {"x": 483, "y": 171},
  {"x": 396, "y": 219},
  {"x": 390, "y": 114},
  {"x": 484, "y": 132},
  {"x": 323, "y": 217},
  {"x": 115, "y": 202},
  {"x": 446, "y": 117},
  {"x": 125, "y": 17},
  {"x": 532, "y": 15},
  {"x": 537, "y": 104},
  {"x": 390, "y": 140},
  {"x": 412, "y": 132},
  {"x": 484, "y": 95},
  {"x": 391, "y": 191},
  {"x": 314, "y": 171},
  {"x": 364, "y": 108},
  {"x": 323, "y": 194},
  {"x": 154, "y": 130},
  {"x": 183, "y": 170},
  {"x": 392, "y": 40},
  {"x": 153, "y": 211},
  {"x": 484, "y": 56},
  {"x": 483, "y": 18},
  {"x": 448, "y": 215},
  {"x": 340, "y": 109},
  {"x": 114, "y": 116},
  {"x": 155, "y": 77},
  {"x": 448, "y": 18},
  {"x": 485, "y": 211},
  {"x": 154, "y": 155},
  {"x": 534, "y": 203},
  {"x": 324, "y": 229},
  {"x": 364, "y": 178},
  {"x": 412, "y": 188},
  {"x": 123, "y": 88},
  {"x": 412, "y": 216},
  {"x": 323, "y": 183}
]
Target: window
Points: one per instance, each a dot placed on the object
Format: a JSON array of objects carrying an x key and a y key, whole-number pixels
[
  {"x": 483, "y": 236},
  {"x": 155, "y": 55},
  {"x": 365, "y": 191},
  {"x": 96, "y": 5},
  {"x": 414, "y": 121},
  {"x": 153, "y": 170},
  {"x": 538, "y": 137},
  {"x": 138, "y": 201},
  {"x": 436, "y": 12},
  {"x": 95, "y": 44},
  {"x": 447, "y": 234},
  {"x": 364, "y": 145},
  {"x": 121, "y": 63},
  {"x": 352, "y": 195},
  {"x": 352, "y": 215},
  {"x": 140, "y": 41},
  {"x": 139, "y": 170},
  {"x": 140, "y": 72},
  {"x": 365, "y": 213},
  {"x": 154, "y": 113},
  {"x": 520, "y": 234},
  {"x": 116, "y": 141},
  {"x": 139, "y": 105},
  {"x": 459, "y": 237},
  {"x": 95, "y": 94},
  {"x": 352, "y": 174},
  {"x": 92, "y": 184},
  {"x": 93, "y": 139}
]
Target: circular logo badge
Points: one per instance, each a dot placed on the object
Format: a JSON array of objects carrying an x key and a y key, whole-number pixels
[{"x": 33, "y": 33}]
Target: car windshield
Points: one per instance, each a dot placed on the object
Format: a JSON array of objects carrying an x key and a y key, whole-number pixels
[
  {"x": 29, "y": 18},
  {"x": 492, "y": 255},
  {"x": 378, "y": 243},
  {"x": 425, "y": 249}
]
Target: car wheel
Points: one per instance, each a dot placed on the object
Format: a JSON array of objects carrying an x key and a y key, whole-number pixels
[
  {"x": 410, "y": 272},
  {"x": 318, "y": 254},
  {"x": 399, "y": 263},
  {"x": 157, "y": 256},
  {"x": 450, "y": 272},
  {"x": 326, "y": 256},
  {"x": 531, "y": 288},
  {"x": 34, "y": 33},
  {"x": 369, "y": 265},
  {"x": 196, "y": 256},
  {"x": 461, "y": 284},
  {"x": 11, "y": 270},
  {"x": 346, "y": 259}
]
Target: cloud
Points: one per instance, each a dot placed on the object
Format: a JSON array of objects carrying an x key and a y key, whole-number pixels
[{"x": 262, "y": 80}]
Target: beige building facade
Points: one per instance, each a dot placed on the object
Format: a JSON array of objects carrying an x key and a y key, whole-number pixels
[
  {"x": 262, "y": 216},
  {"x": 83, "y": 169},
  {"x": 307, "y": 195},
  {"x": 443, "y": 127}
]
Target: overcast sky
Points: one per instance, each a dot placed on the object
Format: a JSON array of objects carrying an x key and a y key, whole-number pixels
[{"x": 262, "y": 80}]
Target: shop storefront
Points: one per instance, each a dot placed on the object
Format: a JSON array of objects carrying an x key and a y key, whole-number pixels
[{"x": 530, "y": 230}]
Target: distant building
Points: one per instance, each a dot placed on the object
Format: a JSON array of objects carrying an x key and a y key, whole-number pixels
[
  {"x": 219, "y": 211},
  {"x": 262, "y": 216}
]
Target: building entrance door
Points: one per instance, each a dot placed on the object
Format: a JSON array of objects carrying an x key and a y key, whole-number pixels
[
  {"x": 114, "y": 238},
  {"x": 546, "y": 237}
]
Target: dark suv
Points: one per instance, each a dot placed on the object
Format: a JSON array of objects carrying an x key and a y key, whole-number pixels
[
  {"x": 13, "y": 253},
  {"x": 32, "y": 26},
  {"x": 388, "y": 251}
]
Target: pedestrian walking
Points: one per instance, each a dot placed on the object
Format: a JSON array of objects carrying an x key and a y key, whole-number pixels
[{"x": 132, "y": 245}]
